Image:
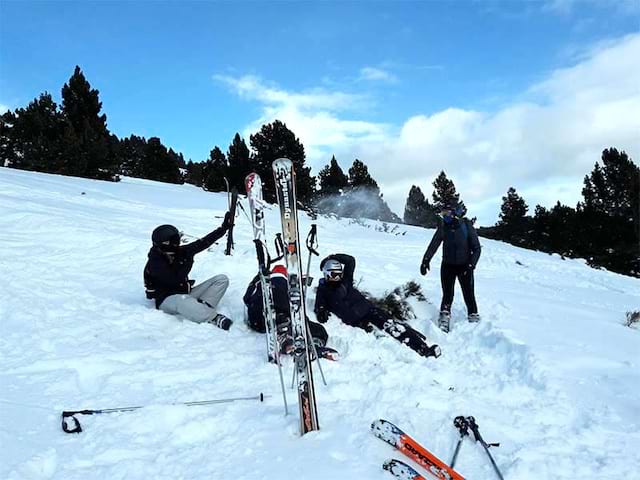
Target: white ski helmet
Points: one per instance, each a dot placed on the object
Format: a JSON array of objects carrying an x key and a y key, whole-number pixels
[{"x": 332, "y": 270}]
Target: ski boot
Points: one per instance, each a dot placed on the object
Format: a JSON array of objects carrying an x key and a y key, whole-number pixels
[
  {"x": 285, "y": 340},
  {"x": 474, "y": 317},
  {"x": 444, "y": 321},
  {"x": 429, "y": 351},
  {"x": 221, "y": 321}
]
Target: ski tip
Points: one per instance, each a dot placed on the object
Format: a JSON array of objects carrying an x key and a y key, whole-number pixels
[
  {"x": 401, "y": 470},
  {"x": 377, "y": 424},
  {"x": 281, "y": 162}
]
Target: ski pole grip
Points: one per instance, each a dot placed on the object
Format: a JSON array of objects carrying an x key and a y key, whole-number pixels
[
  {"x": 279, "y": 245},
  {"x": 260, "y": 253},
  {"x": 312, "y": 239},
  {"x": 69, "y": 417}
]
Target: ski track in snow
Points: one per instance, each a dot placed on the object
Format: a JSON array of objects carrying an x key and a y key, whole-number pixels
[{"x": 550, "y": 372}]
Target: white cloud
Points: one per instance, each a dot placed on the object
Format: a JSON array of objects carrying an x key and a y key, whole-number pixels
[
  {"x": 374, "y": 74},
  {"x": 566, "y": 7},
  {"x": 312, "y": 115},
  {"x": 253, "y": 88},
  {"x": 542, "y": 144}
]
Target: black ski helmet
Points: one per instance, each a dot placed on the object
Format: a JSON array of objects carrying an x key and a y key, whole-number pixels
[{"x": 166, "y": 237}]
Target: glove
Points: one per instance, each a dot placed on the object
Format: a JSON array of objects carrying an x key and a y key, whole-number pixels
[
  {"x": 424, "y": 266},
  {"x": 227, "y": 222},
  {"x": 322, "y": 315}
]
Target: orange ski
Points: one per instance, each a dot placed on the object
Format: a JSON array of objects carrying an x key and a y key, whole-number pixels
[{"x": 395, "y": 437}]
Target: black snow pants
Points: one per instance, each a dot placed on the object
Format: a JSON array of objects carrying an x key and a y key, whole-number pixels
[
  {"x": 399, "y": 330},
  {"x": 464, "y": 274}
]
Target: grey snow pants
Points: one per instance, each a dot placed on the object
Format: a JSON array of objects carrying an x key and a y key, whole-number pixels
[{"x": 200, "y": 304}]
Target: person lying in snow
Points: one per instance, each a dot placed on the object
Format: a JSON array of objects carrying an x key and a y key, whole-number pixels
[
  {"x": 460, "y": 254},
  {"x": 166, "y": 276},
  {"x": 336, "y": 294},
  {"x": 280, "y": 292}
]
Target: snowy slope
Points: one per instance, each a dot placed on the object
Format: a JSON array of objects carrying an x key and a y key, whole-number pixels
[{"x": 551, "y": 372}]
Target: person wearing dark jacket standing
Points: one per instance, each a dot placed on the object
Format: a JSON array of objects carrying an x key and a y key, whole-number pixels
[
  {"x": 336, "y": 294},
  {"x": 166, "y": 276},
  {"x": 460, "y": 255}
]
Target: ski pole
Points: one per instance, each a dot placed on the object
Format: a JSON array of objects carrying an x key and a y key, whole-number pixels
[
  {"x": 267, "y": 307},
  {"x": 232, "y": 211},
  {"x": 244, "y": 211},
  {"x": 312, "y": 245},
  {"x": 226, "y": 182},
  {"x": 463, "y": 427},
  {"x": 70, "y": 415},
  {"x": 476, "y": 433}
]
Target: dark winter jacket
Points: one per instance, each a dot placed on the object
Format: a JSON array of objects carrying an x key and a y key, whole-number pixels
[
  {"x": 253, "y": 300},
  {"x": 167, "y": 274},
  {"x": 342, "y": 298},
  {"x": 460, "y": 243}
]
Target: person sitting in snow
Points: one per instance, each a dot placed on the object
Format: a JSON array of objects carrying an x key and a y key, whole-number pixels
[
  {"x": 460, "y": 254},
  {"x": 336, "y": 294},
  {"x": 280, "y": 295},
  {"x": 166, "y": 276}
]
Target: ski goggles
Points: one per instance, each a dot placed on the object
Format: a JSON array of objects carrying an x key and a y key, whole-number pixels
[{"x": 334, "y": 275}]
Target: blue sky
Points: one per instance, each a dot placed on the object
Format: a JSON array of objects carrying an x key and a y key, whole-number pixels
[{"x": 350, "y": 78}]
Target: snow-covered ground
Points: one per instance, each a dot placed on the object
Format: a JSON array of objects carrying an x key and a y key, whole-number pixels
[{"x": 550, "y": 372}]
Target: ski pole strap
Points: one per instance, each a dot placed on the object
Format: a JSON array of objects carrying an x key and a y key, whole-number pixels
[{"x": 312, "y": 240}]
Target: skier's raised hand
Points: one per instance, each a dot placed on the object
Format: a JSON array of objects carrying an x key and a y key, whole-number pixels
[{"x": 424, "y": 266}]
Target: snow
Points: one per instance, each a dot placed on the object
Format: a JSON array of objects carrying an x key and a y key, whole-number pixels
[{"x": 551, "y": 372}]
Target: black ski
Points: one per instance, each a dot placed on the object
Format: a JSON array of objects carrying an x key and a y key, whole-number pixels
[
  {"x": 284, "y": 176},
  {"x": 232, "y": 211}
]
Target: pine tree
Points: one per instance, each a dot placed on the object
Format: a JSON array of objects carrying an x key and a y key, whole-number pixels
[
  {"x": 239, "y": 161},
  {"x": 215, "y": 171},
  {"x": 132, "y": 152},
  {"x": 445, "y": 193},
  {"x": 8, "y": 141},
  {"x": 332, "y": 179},
  {"x": 359, "y": 177},
  {"x": 513, "y": 216},
  {"x": 30, "y": 138},
  {"x": 273, "y": 141},
  {"x": 611, "y": 192},
  {"x": 159, "y": 164},
  {"x": 418, "y": 211},
  {"x": 81, "y": 108},
  {"x": 194, "y": 172},
  {"x": 361, "y": 199},
  {"x": 609, "y": 216}
]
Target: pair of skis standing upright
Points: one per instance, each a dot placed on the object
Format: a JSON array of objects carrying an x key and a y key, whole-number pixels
[{"x": 284, "y": 176}]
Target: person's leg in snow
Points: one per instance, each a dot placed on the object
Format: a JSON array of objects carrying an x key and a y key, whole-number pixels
[
  {"x": 402, "y": 332},
  {"x": 448, "y": 281},
  {"x": 465, "y": 277},
  {"x": 200, "y": 304},
  {"x": 212, "y": 290}
]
